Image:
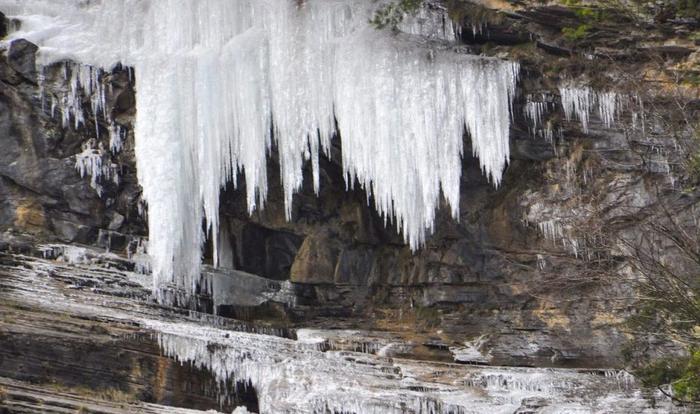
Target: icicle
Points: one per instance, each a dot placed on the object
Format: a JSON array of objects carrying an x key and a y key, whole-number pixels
[
  {"x": 213, "y": 76},
  {"x": 534, "y": 112},
  {"x": 224, "y": 254},
  {"x": 549, "y": 132},
  {"x": 115, "y": 138},
  {"x": 41, "y": 79},
  {"x": 89, "y": 163},
  {"x": 608, "y": 104},
  {"x": 551, "y": 230},
  {"x": 578, "y": 103}
]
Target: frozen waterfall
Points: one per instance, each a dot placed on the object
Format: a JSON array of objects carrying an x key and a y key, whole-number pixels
[{"x": 219, "y": 82}]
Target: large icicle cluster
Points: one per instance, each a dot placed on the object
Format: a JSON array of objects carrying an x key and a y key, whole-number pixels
[
  {"x": 220, "y": 81},
  {"x": 84, "y": 83},
  {"x": 83, "y": 80}
]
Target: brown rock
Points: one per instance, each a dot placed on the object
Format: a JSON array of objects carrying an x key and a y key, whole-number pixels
[{"x": 317, "y": 258}]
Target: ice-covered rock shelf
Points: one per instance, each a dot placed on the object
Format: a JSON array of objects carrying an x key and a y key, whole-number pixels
[
  {"x": 220, "y": 83},
  {"x": 306, "y": 375}
]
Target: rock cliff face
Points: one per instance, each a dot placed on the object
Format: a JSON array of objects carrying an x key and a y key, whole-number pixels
[
  {"x": 528, "y": 276},
  {"x": 43, "y": 191},
  {"x": 529, "y": 262}
]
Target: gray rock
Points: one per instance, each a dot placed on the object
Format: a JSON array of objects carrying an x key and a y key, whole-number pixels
[
  {"x": 21, "y": 57},
  {"x": 116, "y": 222},
  {"x": 3, "y": 25},
  {"x": 42, "y": 193}
]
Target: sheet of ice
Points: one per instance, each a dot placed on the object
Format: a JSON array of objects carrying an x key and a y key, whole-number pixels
[{"x": 219, "y": 81}]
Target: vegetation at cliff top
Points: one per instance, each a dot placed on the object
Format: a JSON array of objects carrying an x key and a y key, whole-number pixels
[{"x": 577, "y": 33}]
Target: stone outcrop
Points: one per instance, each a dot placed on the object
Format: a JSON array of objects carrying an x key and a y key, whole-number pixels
[{"x": 42, "y": 191}]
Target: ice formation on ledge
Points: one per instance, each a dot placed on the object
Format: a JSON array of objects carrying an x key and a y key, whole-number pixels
[
  {"x": 213, "y": 76},
  {"x": 551, "y": 230},
  {"x": 297, "y": 376},
  {"x": 116, "y": 138},
  {"x": 608, "y": 105},
  {"x": 309, "y": 375},
  {"x": 89, "y": 163},
  {"x": 137, "y": 251},
  {"x": 83, "y": 83},
  {"x": 83, "y": 80},
  {"x": 534, "y": 113},
  {"x": 579, "y": 101},
  {"x": 558, "y": 233}
]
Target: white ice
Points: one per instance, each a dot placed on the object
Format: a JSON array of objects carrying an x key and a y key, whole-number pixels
[
  {"x": 219, "y": 82},
  {"x": 579, "y": 101}
]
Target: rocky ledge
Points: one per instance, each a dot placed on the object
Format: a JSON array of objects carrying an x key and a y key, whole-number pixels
[{"x": 79, "y": 331}]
